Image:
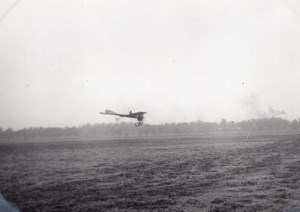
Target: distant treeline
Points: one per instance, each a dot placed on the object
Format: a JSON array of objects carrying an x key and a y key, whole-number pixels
[{"x": 128, "y": 129}]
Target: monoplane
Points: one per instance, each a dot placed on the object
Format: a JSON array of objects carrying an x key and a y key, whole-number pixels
[{"x": 138, "y": 115}]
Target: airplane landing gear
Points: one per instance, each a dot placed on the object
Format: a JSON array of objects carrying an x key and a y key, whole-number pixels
[
  {"x": 138, "y": 124},
  {"x": 140, "y": 121}
]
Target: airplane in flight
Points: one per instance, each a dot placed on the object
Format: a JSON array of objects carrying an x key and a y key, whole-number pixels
[{"x": 138, "y": 115}]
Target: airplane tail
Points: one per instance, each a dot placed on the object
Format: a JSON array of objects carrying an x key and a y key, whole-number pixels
[{"x": 109, "y": 112}]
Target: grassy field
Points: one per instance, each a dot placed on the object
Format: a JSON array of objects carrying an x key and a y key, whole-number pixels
[{"x": 223, "y": 173}]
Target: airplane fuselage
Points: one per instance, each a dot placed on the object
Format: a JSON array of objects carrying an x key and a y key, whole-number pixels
[{"x": 137, "y": 116}]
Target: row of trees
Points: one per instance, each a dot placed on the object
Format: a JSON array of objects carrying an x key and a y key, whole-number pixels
[{"x": 128, "y": 129}]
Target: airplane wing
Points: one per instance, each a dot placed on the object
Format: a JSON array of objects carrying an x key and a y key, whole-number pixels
[
  {"x": 110, "y": 112},
  {"x": 139, "y": 113}
]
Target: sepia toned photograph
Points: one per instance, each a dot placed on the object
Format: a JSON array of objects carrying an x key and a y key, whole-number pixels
[{"x": 160, "y": 105}]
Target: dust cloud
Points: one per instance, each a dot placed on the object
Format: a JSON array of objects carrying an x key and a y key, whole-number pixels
[{"x": 252, "y": 105}]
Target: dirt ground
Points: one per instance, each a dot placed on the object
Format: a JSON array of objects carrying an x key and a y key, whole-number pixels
[{"x": 229, "y": 173}]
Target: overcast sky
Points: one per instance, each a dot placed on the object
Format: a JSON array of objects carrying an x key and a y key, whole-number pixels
[{"x": 62, "y": 62}]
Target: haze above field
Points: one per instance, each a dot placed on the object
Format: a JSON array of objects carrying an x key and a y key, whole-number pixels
[{"x": 62, "y": 62}]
